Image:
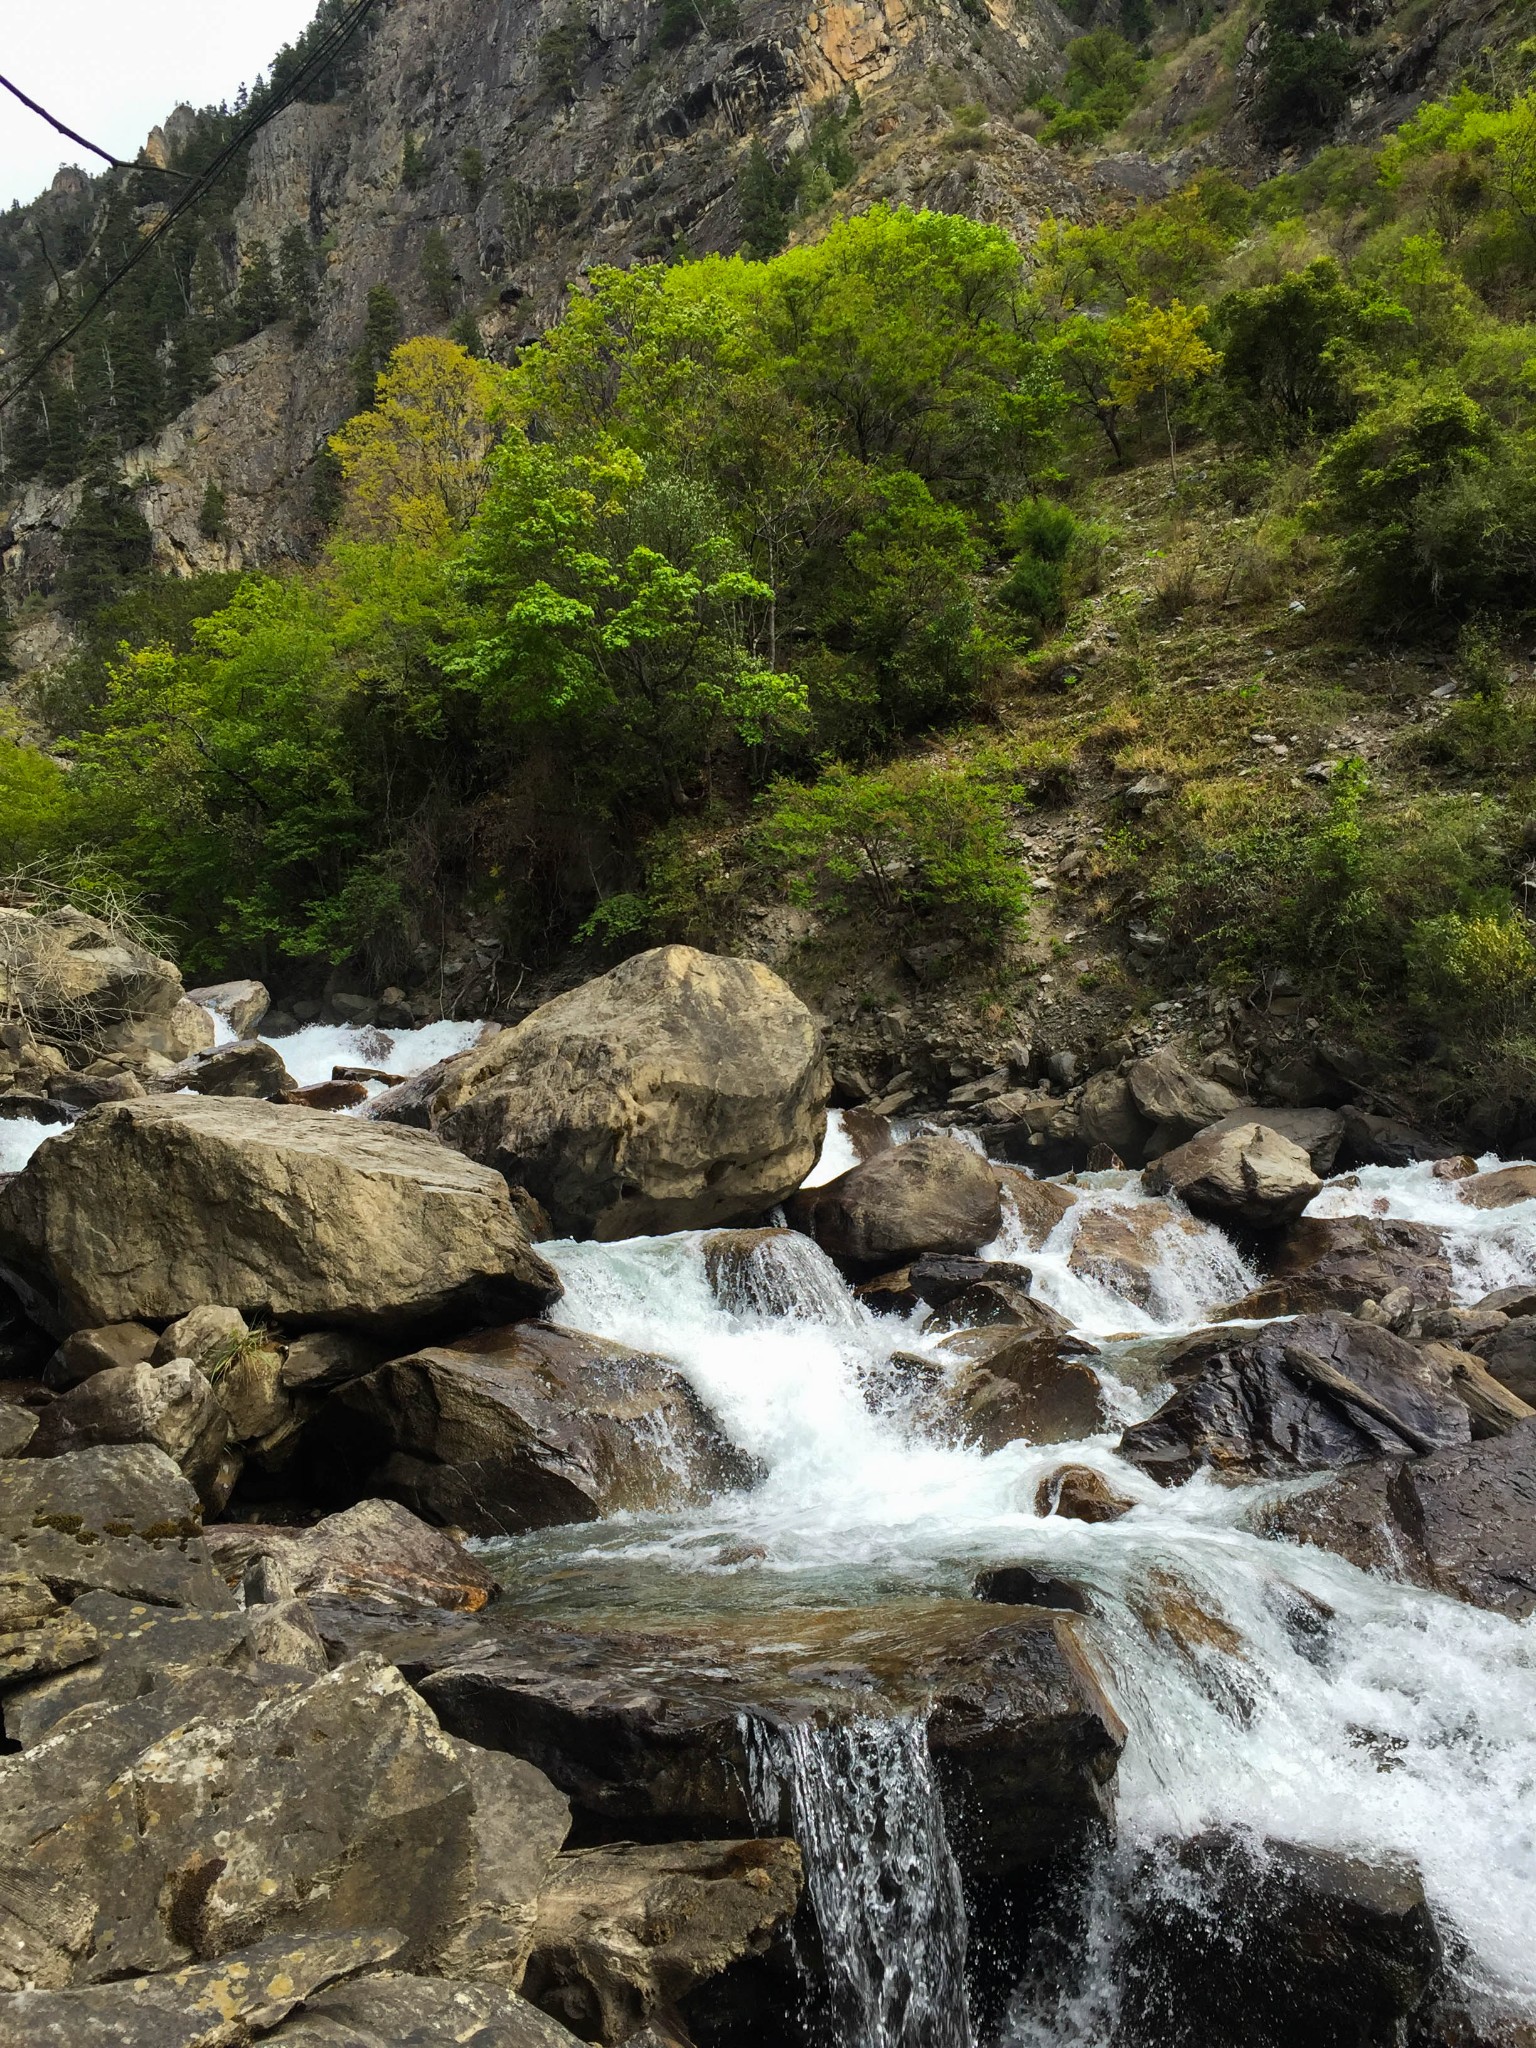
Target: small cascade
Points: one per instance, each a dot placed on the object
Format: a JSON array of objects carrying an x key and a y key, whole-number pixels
[
  {"x": 1487, "y": 1248},
  {"x": 880, "y": 1876},
  {"x": 770, "y": 1274}
]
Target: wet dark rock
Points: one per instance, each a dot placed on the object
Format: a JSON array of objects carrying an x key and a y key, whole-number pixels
[
  {"x": 327, "y": 1095},
  {"x": 939, "y": 1278},
  {"x": 1081, "y": 1495},
  {"x": 1241, "y": 1944},
  {"x": 1017, "y": 1387},
  {"x": 1122, "y": 1248},
  {"x": 319, "y": 1361},
  {"x": 1510, "y": 1356},
  {"x": 248, "y": 1068},
  {"x": 625, "y": 1933},
  {"x": 209, "y": 2005},
  {"x": 1316, "y": 1393},
  {"x": 397, "y": 2011},
  {"x": 1247, "y": 1174},
  {"x": 771, "y": 1273},
  {"x": 1462, "y": 1521},
  {"x": 1514, "y": 1302},
  {"x": 376, "y": 1550},
  {"x": 520, "y": 1428},
  {"x": 644, "y": 1732},
  {"x": 1341, "y": 1262},
  {"x": 1371, "y": 1140},
  {"x": 85, "y": 1352},
  {"x": 120, "y": 1519},
  {"x": 270, "y": 1210},
  {"x": 1023, "y": 1585},
  {"x": 932, "y": 1195},
  {"x": 992, "y": 1303},
  {"x": 171, "y": 1406},
  {"x": 410, "y": 1102}
]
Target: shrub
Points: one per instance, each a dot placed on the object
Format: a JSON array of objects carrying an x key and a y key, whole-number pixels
[
  {"x": 1051, "y": 549},
  {"x": 1308, "y": 71},
  {"x": 1480, "y": 967},
  {"x": 1103, "y": 78},
  {"x": 902, "y": 843}
]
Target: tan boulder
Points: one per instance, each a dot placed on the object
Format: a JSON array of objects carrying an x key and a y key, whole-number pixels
[
  {"x": 682, "y": 1090},
  {"x": 1013, "y": 1387},
  {"x": 150, "y": 1209},
  {"x": 1248, "y": 1174},
  {"x": 1038, "y": 1204},
  {"x": 933, "y": 1195},
  {"x": 171, "y": 1406},
  {"x": 75, "y": 974},
  {"x": 1121, "y": 1248},
  {"x": 1500, "y": 1189},
  {"x": 377, "y": 1550},
  {"x": 1175, "y": 1101}
]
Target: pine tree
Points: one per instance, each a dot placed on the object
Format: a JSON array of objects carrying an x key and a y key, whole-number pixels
[
  {"x": 381, "y": 335},
  {"x": 212, "y": 520},
  {"x": 107, "y": 542},
  {"x": 472, "y": 171},
  {"x": 437, "y": 272},
  {"x": 256, "y": 302},
  {"x": 466, "y": 332},
  {"x": 298, "y": 285},
  {"x": 414, "y": 164},
  {"x": 760, "y": 205}
]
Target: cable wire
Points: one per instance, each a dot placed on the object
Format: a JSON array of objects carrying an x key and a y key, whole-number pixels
[
  {"x": 328, "y": 48},
  {"x": 94, "y": 147}
]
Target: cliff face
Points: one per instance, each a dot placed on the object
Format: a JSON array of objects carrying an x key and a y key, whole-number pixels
[{"x": 538, "y": 138}]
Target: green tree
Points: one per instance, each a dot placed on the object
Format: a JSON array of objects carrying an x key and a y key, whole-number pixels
[
  {"x": 106, "y": 543},
  {"x": 381, "y": 333},
  {"x": 1308, "y": 69},
  {"x": 212, "y": 517},
  {"x": 437, "y": 272},
  {"x": 415, "y": 165},
  {"x": 1159, "y": 354},
  {"x": 298, "y": 281},
  {"x": 258, "y": 300},
  {"x": 760, "y": 208},
  {"x": 471, "y": 168}
]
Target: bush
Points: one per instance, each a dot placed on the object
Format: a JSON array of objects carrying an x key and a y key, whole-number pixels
[
  {"x": 1103, "y": 78},
  {"x": 1051, "y": 548},
  {"x": 1308, "y": 71},
  {"x": 910, "y": 842},
  {"x": 1290, "y": 353},
  {"x": 1481, "y": 968}
]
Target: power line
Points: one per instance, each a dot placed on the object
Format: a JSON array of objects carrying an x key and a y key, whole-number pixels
[
  {"x": 94, "y": 147},
  {"x": 329, "y": 47}
]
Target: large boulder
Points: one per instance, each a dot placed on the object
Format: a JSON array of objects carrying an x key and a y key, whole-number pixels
[
  {"x": 146, "y": 1210},
  {"x": 522, "y": 1428},
  {"x": 1342, "y": 1262},
  {"x": 1246, "y": 1174},
  {"x": 654, "y": 1734},
  {"x": 933, "y": 1195},
  {"x": 85, "y": 1352},
  {"x": 250, "y": 1067},
  {"x": 682, "y": 1090},
  {"x": 77, "y": 976},
  {"x": 1108, "y": 1117},
  {"x": 1372, "y": 1140},
  {"x": 171, "y": 1406},
  {"x": 1499, "y": 1189},
  {"x": 121, "y": 1519},
  {"x": 395, "y": 2010},
  {"x": 1174, "y": 1101},
  {"x": 1123, "y": 1248},
  {"x": 1462, "y": 1520},
  {"x": 1510, "y": 1356},
  {"x": 1008, "y": 1385},
  {"x": 376, "y": 1550},
  {"x": 1297, "y": 1396},
  {"x": 1037, "y": 1205},
  {"x": 626, "y": 1931},
  {"x": 242, "y": 1004},
  {"x": 1319, "y": 1132}
]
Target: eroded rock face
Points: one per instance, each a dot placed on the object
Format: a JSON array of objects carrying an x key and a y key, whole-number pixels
[
  {"x": 1341, "y": 1262},
  {"x": 274, "y": 1211},
  {"x": 523, "y": 1427},
  {"x": 682, "y": 1090},
  {"x": 644, "y": 1732},
  {"x": 932, "y": 1195},
  {"x": 121, "y": 1519},
  {"x": 1247, "y": 1174},
  {"x": 625, "y": 1932},
  {"x": 377, "y": 1550},
  {"x": 1319, "y": 1392},
  {"x": 171, "y": 1406}
]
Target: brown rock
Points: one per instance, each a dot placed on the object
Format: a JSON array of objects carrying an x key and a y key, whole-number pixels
[
  {"x": 119, "y": 1518},
  {"x": 1038, "y": 1204},
  {"x": 376, "y": 1550},
  {"x": 171, "y": 1406},
  {"x": 626, "y": 1932},
  {"x": 1501, "y": 1188},
  {"x": 932, "y": 1195},
  {"x": 1341, "y": 1262},
  {"x": 1175, "y": 1102},
  {"x": 396, "y": 2011},
  {"x": 1319, "y": 1132},
  {"x": 1110, "y": 1118},
  {"x": 86, "y": 1352},
  {"x": 1246, "y": 1174},
  {"x": 1510, "y": 1356},
  {"x": 1371, "y": 1140},
  {"x": 270, "y": 1210},
  {"x": 328, "y": 1095},
  {"x": 522, "y": 1427},
  {"x": 1121, "y": 1248},
  {"x": 1014, "y": 1388},
  {"x": 1081, "y": 1495},
  {"x": 39, "y": 1637},
  {"x": 249, "y": 1068},
  {"x": 682, "y": 1090},
  {"x": 242, "y": 1004}
]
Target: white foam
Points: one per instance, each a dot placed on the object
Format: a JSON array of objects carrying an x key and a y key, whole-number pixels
[
  {"x": 838, "y": 1153},
  {"x": 1487, "y": 1248},
  {"x": 20, "y": 1138},
  {"x": 310, "y": 1054}
]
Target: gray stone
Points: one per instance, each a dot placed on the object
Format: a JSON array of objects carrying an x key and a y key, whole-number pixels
[
  {"x": 1319, "y": 1132},
  {"x": 518, "y": 1826},
  {"x": 85, "y": 1352},
  {"x": 932, "y": 1195},
  {"x": 1110, "y": 1117},
  {"x": 394, "y": 2011},
  {"x": 171, "y": 1406},
  {"x": 120, "y": 1519},
  {"x": 1247, "y": 1174},
  {"x": 18, "y": 1426},
  {"x": 38, "y": 1636},
  {"x": 1372, "y": 1140},
  {"x": 376, "y": 1550},
  {"x": 1176, "y": 1102},
  {"x": 242, "y": 1004},
  {"x": 1510, "y": 1356},
  {"x": 249, "y": 1068},
  {"x": 1342, "y": 1262}
]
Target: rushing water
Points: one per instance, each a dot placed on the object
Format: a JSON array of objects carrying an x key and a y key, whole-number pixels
[{"x": 1404, "y": 1725}]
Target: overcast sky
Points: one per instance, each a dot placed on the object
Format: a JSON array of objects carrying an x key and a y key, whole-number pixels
[{"x": 111, "y": 69}]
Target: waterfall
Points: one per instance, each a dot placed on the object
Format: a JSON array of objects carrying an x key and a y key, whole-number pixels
[{"x": 880, "y": 1876}]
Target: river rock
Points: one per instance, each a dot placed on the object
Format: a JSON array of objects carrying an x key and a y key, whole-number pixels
[
  {"x": 1242, "y": 1944},
  {"x": 1080, "y": 1494},
  {"x": 242, "y": 1004},
  {"x": 1010, "y": 1387},
  {"x": 521, "y": 1428},
  {"x": 392, "y": 2010},
  {"x": 411, "y": 1102},
  {"x": 682, "y": 1090},
  {"x": 1319, "y": 1132},
  {"x": 1319, "y": 1392},
  {"x": 625, "y": 1932},
  {"x": 1247, "y": 1174},
  {"x": 1174, "y": 1101},
  {"x": 1122, "y": 1248},
  {"x": 39, "y": 1635},
  {"x": 518, "y": 1825},
  {"x": 1499, "y": 1189},
  {"x": 120, "y": 1518},
  {"x": 210, "y": 2005},
  {"x": 319, "y": 1361},
  {"x": 335, "y": 1805},
  {"x": 774, "y": 1273},
  {"x": 1110, "y": 1118},
  {"x": 18, "y": 1426},
  {"x": 207, "y": 1335},
  {"x": 1514, "y": 1302},
  {"x": 1025, "y": 1585},
  {"x": 646, "y": 1732},
  {"x": 1372, "y": 1140},
  {"x": 86, "y": 1352},
  {"x": 78, "y": 977},
  {"x": 1039, "y": 1205},
  {"x": 992, "y": 1303},
  {"x": 1342, "y": 1262},
  {"x": 249, "y": 1068},
  {"x": 932, "y": 1195},
  {"x": 171, "y": 1406},
  {"x": 281, "y": 1212},
  {"x": 377, "y": 1549},
  {"x": 1510, "y": 1356}
]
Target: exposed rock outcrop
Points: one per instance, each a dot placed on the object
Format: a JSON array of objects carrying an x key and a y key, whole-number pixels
[
  {"x": 682, "y": 1090},
  {"x": 283, "y": 1212}
]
